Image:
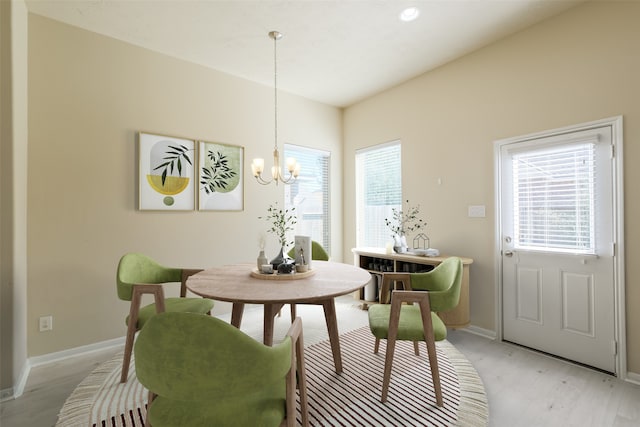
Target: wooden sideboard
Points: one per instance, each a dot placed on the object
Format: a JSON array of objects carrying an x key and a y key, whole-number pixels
[{"x": 377, "y": 261}]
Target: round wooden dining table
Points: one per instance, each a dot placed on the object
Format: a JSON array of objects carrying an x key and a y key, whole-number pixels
[{"x": 241, "y": 284}]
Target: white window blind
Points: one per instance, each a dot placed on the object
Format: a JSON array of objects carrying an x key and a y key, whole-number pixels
[
  {"x": 378, "y": 191},
  {"x": 309, "y": 194},
  {"x": 554, "y": 197}
]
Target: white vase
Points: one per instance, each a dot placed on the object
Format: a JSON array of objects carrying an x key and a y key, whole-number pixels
[
  {"x": 400, "y": 244},
  {"x": 403, "y": 242},
  {"x": 262, "y": 260}
]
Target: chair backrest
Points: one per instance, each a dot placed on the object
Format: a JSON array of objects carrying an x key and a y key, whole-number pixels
[
  {"x": 443, "y": 284},
  {"x": 202, "y": 359},
  {"x": 317, "y": 252},
  {"x": 136, "y": 268}
]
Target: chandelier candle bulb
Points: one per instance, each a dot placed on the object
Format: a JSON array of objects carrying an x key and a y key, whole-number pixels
[{"x": 257, "y": 166}]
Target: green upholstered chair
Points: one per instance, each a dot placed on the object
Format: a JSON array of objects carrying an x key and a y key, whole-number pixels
[
  {"x": 402, "y": 320},
  {"x": 137, "y": 275},
  {"x": 317, "y": 253},
  {"x": 201, "y": 371}
]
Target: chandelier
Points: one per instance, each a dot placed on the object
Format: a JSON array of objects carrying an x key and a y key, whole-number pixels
[{"x": 257, "y": 166}]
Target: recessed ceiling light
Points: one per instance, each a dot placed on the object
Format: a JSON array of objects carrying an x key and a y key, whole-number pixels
[{"x": 409, "y": 14}]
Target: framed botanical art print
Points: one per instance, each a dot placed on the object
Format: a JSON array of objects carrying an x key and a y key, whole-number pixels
[
  {"x": 220, "y": 177},
  {"x": 166, "y": 173}
]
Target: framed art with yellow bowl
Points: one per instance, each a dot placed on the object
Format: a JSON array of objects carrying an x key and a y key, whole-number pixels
[{"x": 166, "y": 172}]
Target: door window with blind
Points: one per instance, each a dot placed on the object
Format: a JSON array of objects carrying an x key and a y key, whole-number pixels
[
  {"x": 309, "y": 194},
  {"x": 378, "y": 191},
  {"x": 554, "y": 199}
]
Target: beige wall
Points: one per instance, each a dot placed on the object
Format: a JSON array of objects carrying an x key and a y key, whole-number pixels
[
  {"x": 580, "y": 66},
  {"x": 88, "y": 97}
]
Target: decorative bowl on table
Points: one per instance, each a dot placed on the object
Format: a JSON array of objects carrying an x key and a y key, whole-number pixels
[
  {"x": 425, "y": 252},
  {"x": 286, "y": 268}
]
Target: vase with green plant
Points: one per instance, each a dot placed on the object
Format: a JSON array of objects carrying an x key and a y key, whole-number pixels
[
  {"x": 281, "y": 221},
  {"x": 403, "y": 222}
]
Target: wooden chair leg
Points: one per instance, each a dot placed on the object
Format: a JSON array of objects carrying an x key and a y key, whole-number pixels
[
  {"x": 128, "y": 349},
  {"x": 416, "y": 348},
  {"x": 132, "y": 328},
  {"x": 425, "y": 313},
  {"x": 388, "y": 362},
  {"x": 435, "y": 374},
  {"x": 293, "y": 312},
  {"x": 302, "y": 381},
  {"x": 376, "y": 347},
  {"x": 132, "y": 323},
  {"x": 392, "y": 334}
]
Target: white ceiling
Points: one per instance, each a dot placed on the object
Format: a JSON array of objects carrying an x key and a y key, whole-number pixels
[{"x": 333, "y": 51}]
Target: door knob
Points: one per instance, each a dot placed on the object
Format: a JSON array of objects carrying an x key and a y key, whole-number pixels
[{"x": 508, "y": 253}]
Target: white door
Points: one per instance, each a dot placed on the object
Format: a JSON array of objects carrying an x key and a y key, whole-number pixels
[{"x": 557, "y": 221}]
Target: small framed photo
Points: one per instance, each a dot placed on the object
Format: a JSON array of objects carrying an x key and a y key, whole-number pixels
[
  {"x": 220, "y": 177},
  {"x": 166, "y": 173}
]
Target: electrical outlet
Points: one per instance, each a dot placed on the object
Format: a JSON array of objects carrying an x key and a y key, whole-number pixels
[
  {"x": 477, "y": 211},
  {"x": 46, "y": 323}
]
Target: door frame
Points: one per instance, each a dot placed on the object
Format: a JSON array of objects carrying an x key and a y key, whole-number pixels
[{"x": 618, "y": 228}]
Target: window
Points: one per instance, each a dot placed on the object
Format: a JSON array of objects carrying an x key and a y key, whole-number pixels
[
  {"x": 378, "y": 191},
  {"x": 554, "y": 198},
  {"x": 309, "y": 194}
]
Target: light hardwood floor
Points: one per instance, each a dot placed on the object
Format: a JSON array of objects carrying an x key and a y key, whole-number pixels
[
  {"x": 527, "y": 389},
  {"x": 524, "y": 388}
]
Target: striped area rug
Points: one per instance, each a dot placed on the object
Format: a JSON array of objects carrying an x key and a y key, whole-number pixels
[{"x": 348, "y": 399}]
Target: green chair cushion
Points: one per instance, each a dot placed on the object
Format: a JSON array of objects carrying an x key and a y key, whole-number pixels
[
  {"x": 410, "y": 326},
  {"x": 183, "y": 305},
  {"x": 207, "y": 372}
]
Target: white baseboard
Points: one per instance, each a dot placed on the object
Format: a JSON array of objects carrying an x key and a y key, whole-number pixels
[
  {"x": 46, "y": 359},
  {"x": 476, "y": 330},
  {"x": 18, "y": 388},
  {"x": 6, "y": 394},
  {"x": 633, "y": 377}
]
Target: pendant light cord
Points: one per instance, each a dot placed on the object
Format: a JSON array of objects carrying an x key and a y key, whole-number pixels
[{"x": 275, "y": 89}]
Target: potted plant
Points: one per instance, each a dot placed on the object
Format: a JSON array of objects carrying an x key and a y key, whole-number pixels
[
  {"x": 281, "y": 221},
  {"x": 403, "y": 222}
]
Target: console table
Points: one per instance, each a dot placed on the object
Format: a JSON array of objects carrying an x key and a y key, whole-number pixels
[{"x": 377, "y": 261}]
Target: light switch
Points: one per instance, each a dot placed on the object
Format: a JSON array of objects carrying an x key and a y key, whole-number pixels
[{"x": 477, "y": 211}]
